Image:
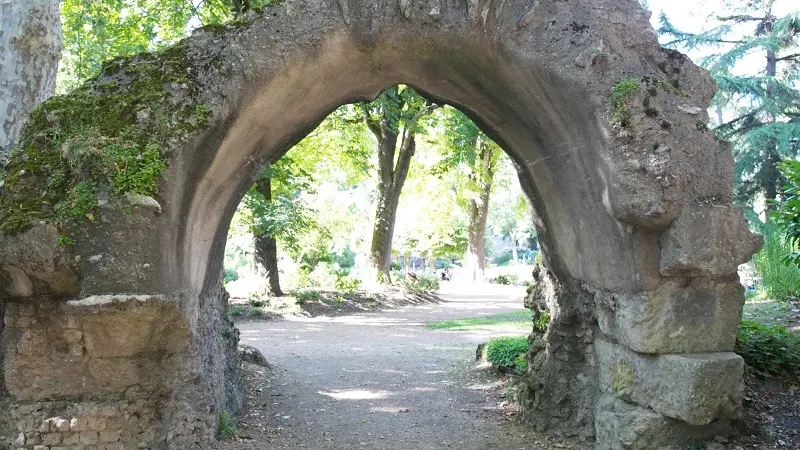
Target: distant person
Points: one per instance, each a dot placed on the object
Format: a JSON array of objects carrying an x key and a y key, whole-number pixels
[{"x": 446, "y": 274}]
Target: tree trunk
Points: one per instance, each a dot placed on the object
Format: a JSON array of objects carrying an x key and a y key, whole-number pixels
[
  {"x": 383, "y": 231},
  {"x": 478, "y": 213},
  {"x": 30, "y": 47},
  {"x": 770, "y": 175},
  {"x": 266, "y": 246},
  {"x": 514, "y": 254}
]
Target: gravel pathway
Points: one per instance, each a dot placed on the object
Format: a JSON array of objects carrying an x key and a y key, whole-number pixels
[{"x": 382, "y": 381}]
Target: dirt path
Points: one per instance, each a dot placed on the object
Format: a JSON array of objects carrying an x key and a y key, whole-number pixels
[{"x": 381, "y": 381}]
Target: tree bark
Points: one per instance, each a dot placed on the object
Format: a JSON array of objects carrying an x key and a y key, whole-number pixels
[
  {"x": 266, "y": 246},
  {"x": 391, "y": 177},
  {"x": 770, "y": 175},
  {"x": 478, "y": 214},
  {"x": 30, "y": 47}
]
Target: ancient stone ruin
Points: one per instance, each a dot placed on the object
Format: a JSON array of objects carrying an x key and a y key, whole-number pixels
[{"x": 115, "y": 320}]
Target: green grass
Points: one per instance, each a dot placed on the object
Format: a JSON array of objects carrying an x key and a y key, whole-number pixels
[
  {"x": 516, "y": 319},
  {"x": 768, "y": 311}
]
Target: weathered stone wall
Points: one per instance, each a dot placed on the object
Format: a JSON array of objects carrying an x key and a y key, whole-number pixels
[{"x": 632, "y": 196}]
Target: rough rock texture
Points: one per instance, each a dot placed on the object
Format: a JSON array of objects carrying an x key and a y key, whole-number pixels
[
  {"x": 694, "y": 388},
  {"x": 632, "y": 197},
  {"x": 252, "y": 355}
]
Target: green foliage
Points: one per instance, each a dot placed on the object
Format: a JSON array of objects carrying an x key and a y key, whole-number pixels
[
  {"x": 503, "y": 259},
  {"x": 621, "y": 96},
  {"x": 541, "y": 319},
  {"x": 346, "y": 284},
  {"x": 256, "y": 302},
  {"x": 787, "y": 213},
  {"x": 779, "y": 280},
  {"x": 521, "y": 363},
  {"x": 112, "y": 134},
  {"x": 425, "y": 284},
  {"x": 758, "y": 103},
  {"x": 505, "y": 279},
  {"x": 237, "y": 310},
  {"x": 256, "y": 313},
  {"x": 517, "y": 319},
  {"x": 230, "y": 275},
  {"x": 308, "y": 296},
  {"x": 504, "y": 352},
  {"x": 228, "y": 427},
  {"x": 769, "y": 350}
]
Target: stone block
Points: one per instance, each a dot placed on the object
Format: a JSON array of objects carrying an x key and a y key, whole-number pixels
[
  {"x": 89, "y": 437},
  {"x": 71, "y": 439},
  {"x": 699, "y": 317},
  {"x": 126, "y": 326},
  {"x": 707, "y": 241},
  {"x": 50, "y": 439},
  {"x": 694, "y": 388},
  {"x": 622, "y": 426}
]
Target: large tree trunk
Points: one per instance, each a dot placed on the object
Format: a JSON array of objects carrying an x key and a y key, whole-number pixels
[
  {"x": 266, "y": 246},
  {"x": 478, "y": 213},
  {"x": 30, "y": 47}
]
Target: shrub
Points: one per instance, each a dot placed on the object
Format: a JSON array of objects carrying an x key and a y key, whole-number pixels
[
  {"x": 256, "y": 313},
  {"x": 504, "y": 352},
  {"x": 227, "y": 426},
  {"x": 778, "y": 278},
  {"x": 308, "y": 296},
  {"x": 256, "y": 302},
  {"x": 230, "y": 275},
  {"x": 424, "y": 285},
  {"x": 505, "y": 279},
  {"x": 347, "y": 284},
  {"x": 503, "y": 258},
  {"x": 237, "y": 310},
  {"x": 769, "y": 350}
]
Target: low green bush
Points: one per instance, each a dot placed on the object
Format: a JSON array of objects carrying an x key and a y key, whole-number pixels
[
  {"x": 346, "y": 284},
  {"x": 237, "y": 310},
  {"x": 307, "y": 296},
  {"x": 256, "y": 302},
  {"x": 504, "y": 352},
  {"x": 769, "y": 350},
  {"x": 227, "y": 426},
  {"x": 256, "y": 313},
  {"x": 505, "y": 279},
  {"x": 230, "y": 275},
  {"x": 425, "y": 284}
]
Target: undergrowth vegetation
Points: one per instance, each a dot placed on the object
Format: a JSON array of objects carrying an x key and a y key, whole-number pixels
[
  {"x": 771, "y": 351},
  {"x": 507, "y": 353}
]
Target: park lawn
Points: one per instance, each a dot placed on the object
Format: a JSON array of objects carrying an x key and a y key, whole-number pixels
[{"x": 516, "y": 319}]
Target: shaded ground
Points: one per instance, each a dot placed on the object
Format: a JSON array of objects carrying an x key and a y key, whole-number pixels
[
  {"x": 382, "y": 381},
  {"x": 329, "y": 303}
]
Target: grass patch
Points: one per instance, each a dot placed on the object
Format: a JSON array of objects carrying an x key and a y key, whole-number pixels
[
  {"x": 227, "y": 426},
  {"x": 768, "y": 311},
  {"x": 516, "y": 319}
]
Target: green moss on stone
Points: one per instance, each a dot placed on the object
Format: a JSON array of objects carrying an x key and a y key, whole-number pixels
[
  {"x": 112, "y": 134},
  {"x": 622, "y": 378}
]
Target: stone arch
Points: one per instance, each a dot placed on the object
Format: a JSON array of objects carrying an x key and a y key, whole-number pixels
[{"x": 632, "y": 196}]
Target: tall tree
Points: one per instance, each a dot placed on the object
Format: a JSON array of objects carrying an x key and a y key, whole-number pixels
[
  {"x": 276, "y": 211},
  {"x": 470, "y": 150},
  {"x": 394, "y": 118},
  {"x": 758, "y": 103},
  {"x": 30, "y": 47}
]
